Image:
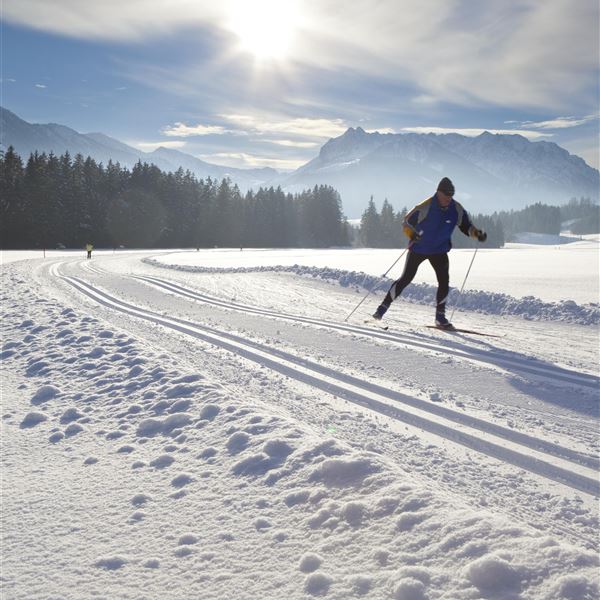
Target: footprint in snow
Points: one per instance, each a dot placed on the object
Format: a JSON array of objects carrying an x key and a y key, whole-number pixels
[
  {"x": 37, "y": 369},
  {"x": 152, "y": 563},
  {"x": 310, "y": 562},
  {"x": 111, "y": 563},
  {"x": 96, "y": 352},
  {"x": 70, "y": 415},
  {"x": 137, "y": 516},
  {"x": 209, "y": 412},
  {"x": 237, "y": 442},
  {"x": 317, "y": 584},
  {"x": 163, "y": 461},
  {"x": 32, "y": 419},
  {"x": 73, "y": 429},
  {"x": 180, "y": 390},
  {"x": 207, "y": 453},
  {"x": 44, "y": 394},
  {"x": 140, "y": 499},
  {"x": 262, "y": 524},
  {"x": 187, "y": 540},
  {"x": 180, "y": 406},
  {"x": 181, "y": 480}
]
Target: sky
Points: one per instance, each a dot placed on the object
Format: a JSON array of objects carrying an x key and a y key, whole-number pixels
[{"x": 254, "y": 83}]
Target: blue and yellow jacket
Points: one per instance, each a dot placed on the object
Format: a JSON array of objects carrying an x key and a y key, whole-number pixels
[{"x": 435, "y": 225}]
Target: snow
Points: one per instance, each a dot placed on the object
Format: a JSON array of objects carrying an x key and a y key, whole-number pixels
[{"x": 207, "y": 423}]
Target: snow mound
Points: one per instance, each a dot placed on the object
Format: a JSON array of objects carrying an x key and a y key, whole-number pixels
[{"x": 337, "y": 472}]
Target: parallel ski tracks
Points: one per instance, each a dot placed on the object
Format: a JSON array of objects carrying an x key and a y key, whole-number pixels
[
  {"x": 547, "y": 459},
  {"x": 475, "y": 354}
]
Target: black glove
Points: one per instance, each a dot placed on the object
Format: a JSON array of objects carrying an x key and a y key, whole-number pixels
[
  {"x": 415, "y": 236},
  {"x": 478, "y": 234}
]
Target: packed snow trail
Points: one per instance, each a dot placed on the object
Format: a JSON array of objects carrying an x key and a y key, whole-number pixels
[
  {"x": 585, "y": 481},
  {"x": 553, "y": 372}
]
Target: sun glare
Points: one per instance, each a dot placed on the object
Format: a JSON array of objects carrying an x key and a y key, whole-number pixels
[{"x": 265, "y": 28}]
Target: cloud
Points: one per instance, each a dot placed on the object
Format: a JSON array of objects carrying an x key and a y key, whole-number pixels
[
  {"x": 524, "y": 53},
  {"x": 41, "y": 86},
  {"x": 310, "y": 128},
  {"x": 150, "y": 146},
  {"x": 182, "y": 130},
  {"x": 474, "y": 132},
  {"x": 560, "y": 122},
  {"x": 291, "y": 143},
  {"x": 242, "y": 159},
  {"x": 137, "y": 21}
]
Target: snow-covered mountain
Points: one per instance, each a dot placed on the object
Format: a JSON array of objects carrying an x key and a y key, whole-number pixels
[
  {"x": 491, "y": 172},
  {"x": 28, "y": 137}
]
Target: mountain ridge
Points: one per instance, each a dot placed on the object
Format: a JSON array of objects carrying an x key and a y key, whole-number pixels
[
  {"x": 491, "y": 171},
  {"x": 52, "y": 137}
]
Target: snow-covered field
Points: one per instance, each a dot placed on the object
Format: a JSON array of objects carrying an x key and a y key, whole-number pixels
[{"x": 207, "y": 425}]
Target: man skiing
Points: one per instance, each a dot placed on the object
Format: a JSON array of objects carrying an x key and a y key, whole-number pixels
[
  {"x": 429, "y": 227},
  {"x": 89, "y": 249}
]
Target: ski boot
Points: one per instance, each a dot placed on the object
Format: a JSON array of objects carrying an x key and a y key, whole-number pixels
[
  {"x": 381, "y": 310},
  {"x": 441, "y": 322}
]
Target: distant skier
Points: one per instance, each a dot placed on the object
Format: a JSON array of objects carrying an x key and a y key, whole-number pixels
[
  {"x": 89, "y": 249},
  {"x": 429, "y": 227}
]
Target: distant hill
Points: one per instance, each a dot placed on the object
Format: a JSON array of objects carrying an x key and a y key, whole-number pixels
[
  {"x": 28, "y": 137},
  {"x": 491, "y": 172}
]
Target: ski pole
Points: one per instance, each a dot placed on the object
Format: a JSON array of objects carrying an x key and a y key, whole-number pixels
[
  {"x": 367, "y": 294},
  {"x": 463, "y": 284}
]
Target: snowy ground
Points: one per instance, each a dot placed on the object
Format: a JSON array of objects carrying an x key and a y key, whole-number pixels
[{"x": 185, "y": 425}]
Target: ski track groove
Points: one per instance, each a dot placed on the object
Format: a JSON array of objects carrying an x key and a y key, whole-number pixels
[
  {"x": 556, "y": 373},
  {"x": 362, "y": 393}
]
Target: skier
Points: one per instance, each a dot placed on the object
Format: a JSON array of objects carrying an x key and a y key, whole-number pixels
[
  {"x": 89, "y": 249},
  {"x": 429, "y": 227}
]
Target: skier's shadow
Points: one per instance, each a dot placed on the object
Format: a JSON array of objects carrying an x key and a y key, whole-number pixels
[{"x": 570, "y": 389}]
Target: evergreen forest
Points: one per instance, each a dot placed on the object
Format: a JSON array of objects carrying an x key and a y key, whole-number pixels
[{"x": 59, "y": 201}]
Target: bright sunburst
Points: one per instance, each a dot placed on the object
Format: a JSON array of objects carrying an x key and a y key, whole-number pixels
[{"x": 265, "y": 28}]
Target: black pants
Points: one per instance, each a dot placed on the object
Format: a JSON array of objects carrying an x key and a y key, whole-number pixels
[{"x": 440, "y": 265}]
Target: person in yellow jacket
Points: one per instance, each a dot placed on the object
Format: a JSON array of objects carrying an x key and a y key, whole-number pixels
[{"x": 89, "y": 249}]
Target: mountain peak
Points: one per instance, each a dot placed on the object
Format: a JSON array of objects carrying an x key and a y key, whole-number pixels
[{"x": 352, "y": 132}]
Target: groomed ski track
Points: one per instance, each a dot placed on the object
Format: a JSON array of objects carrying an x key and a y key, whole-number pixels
[{"x": 543, "y": 458}]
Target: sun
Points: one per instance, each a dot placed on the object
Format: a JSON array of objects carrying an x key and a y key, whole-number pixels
[{"x": 265, "y": 28}]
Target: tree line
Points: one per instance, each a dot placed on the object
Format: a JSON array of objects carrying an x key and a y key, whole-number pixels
[
  {"x": 580, "y": 216},
  {"x": 55, "y": 201},
  {"x": 384, "y": 229},
  {"x": 59, "y": 201}
]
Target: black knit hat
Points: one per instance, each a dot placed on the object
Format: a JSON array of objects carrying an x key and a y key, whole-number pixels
[{"x": 446, "y": 186}]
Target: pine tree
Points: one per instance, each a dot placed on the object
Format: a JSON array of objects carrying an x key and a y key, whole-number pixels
[
  {"x": 12, "y": 208},
  {"x": 370, "y": 226}
]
